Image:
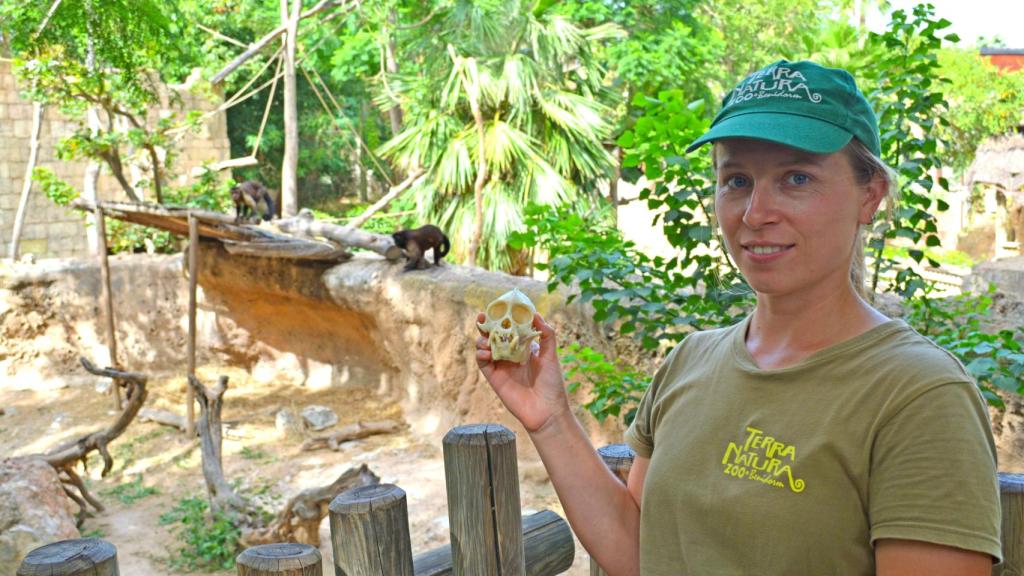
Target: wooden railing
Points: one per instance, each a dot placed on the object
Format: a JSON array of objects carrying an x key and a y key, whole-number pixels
[{"x": 370, "y": 526}]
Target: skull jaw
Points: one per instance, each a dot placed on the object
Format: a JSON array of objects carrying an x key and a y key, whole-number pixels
[{"x": 509, "y": 344}]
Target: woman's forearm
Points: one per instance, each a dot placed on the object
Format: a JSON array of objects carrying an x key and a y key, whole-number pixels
[{"x": 600, "y": 509}]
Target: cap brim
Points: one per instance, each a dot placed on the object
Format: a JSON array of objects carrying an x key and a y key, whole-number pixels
[{"x": 801, "y": 132}]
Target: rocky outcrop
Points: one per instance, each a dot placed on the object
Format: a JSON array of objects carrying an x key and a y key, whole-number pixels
[{"x": 33, "y": 510}]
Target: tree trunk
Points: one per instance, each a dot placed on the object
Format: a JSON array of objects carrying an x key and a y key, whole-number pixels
[
  {"x": 289, "y": 166},
  {"x": 222, "y": 496},
  {"x": 395, "y": 113},
  {"x": 364, "y": 195},
  {"x": 481, "y": 172},
  {"x": 26, "y": 187}
]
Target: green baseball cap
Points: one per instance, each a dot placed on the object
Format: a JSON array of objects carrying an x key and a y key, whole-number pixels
[{"x": 798, "y": 104}]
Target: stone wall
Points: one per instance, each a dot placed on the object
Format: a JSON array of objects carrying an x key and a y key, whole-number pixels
[{"x": 53, "y": 231}]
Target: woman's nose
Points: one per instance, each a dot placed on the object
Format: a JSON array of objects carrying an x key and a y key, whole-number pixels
[{"x": 761, "y": 207}]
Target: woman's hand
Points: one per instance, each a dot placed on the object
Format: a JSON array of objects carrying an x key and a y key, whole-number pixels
[{"x": 533, "y": 392}]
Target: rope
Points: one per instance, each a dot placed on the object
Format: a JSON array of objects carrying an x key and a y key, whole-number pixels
[{"x": 266, "y": 110}]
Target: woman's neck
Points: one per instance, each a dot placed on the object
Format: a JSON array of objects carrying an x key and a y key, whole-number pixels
[{"x": 782, "y": 332}]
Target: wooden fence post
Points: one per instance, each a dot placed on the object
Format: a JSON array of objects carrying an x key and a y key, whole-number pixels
[
  {"x": 484, "y": 513},
  {"x": 370, "y": 532},
  {"x": 547, "y": 542},
  {"x": 619, "y": 459},
  {"x": 1011, "y": 494},
  {"x": 288, "y": 559},
  {"x": 78, "y": 557}
]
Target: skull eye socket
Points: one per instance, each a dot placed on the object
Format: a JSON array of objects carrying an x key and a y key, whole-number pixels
[
  {"x": 497, "y": 310},
  {"x": 521, "y": 314}
]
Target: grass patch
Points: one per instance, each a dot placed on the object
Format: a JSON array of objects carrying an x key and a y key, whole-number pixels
[
  {"x": 208, "y": 543},
  {"x": 130, "y": 492},
  {"x": 256, "y": 454}
]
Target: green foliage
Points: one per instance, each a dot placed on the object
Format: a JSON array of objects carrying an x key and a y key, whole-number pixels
[
  {"x": 907, "y": 96},
  {"x": 615, "y": 389},
  {"x": 56, "y": 189},
  {"x": 995, "y": 359},
  {"x": 543, "y": 109},
  {"x": 983, "y": 102},
  {"x": 257, "y": 454},
  {"x": 130, "y": 492},
  {"x": 209, "y": 543}
]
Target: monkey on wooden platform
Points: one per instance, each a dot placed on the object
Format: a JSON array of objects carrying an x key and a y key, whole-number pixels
[
  {"x": 417, "y": 242},
  {"x": 252, "y": 198}
]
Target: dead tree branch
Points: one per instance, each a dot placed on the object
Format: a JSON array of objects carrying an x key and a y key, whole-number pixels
[
  {"x": 299, "y": 520},
  {"x": 67, "y": 455},
  {"x": 351, "y": 432}
]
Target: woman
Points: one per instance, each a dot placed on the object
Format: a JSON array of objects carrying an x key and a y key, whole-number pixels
[{"x": 817, "y": 436}]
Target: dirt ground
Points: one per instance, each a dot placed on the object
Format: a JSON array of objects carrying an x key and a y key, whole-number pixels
[{"x": 261, "y": 460}]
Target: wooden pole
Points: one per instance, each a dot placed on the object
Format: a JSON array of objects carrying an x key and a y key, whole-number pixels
[
  {"x": 288, "y": 559},
  {"x": 619, "y": 459},
  {"x": 290, "y": 162},
  {"x": 79, "y": 557},
  {"x": 485, "y": 518},
  {"x": 370, "y": 532},
  {"x": 26, "y": 185},
  {"x": 107, "y": 299},
  {"x": 1011, "y": 492},
  {"x": 193, "y": 277},
  {"x": 547, "y": 542}
]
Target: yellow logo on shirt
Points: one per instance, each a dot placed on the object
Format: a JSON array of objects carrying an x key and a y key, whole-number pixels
[{"x": 762, "y": 459}]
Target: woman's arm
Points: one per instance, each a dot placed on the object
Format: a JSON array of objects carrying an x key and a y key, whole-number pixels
[
  {"x": 604, "y": 514},
  {"x": 895, "y": 557}
]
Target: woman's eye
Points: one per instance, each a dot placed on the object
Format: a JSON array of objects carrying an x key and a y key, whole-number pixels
[
  {"x": 798, "y": 179},
  {"x": 737, "y": 182}
]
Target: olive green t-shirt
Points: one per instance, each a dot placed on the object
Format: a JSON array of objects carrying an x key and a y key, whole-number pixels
[{"x": 799, "y": 470}]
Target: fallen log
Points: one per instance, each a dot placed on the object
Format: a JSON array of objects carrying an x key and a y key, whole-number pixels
[
  {"x": 306, "y": 225},
  {"x": 351, "y": 432}
]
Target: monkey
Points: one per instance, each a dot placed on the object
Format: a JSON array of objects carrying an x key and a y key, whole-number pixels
[
  {"x": 252, "y": 198},
  {"x": 417, "y": 242}
]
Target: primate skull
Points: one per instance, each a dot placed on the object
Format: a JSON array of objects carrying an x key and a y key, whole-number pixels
[{"x": 509, "y": 326}]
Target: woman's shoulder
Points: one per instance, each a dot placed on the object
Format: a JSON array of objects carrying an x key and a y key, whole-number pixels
[{"x": 909, "y": 350}]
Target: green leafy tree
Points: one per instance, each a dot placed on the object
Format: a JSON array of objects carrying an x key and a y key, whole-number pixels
[
  {"x": 983, "y": 102},
  {"x": 509, "y": 106},
  {"x": 105, "y": 55}
]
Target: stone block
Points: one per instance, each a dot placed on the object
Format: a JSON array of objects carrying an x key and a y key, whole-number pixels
[
  {"x": 38, "y": 246},
  {"x": 23, "y": 129}
]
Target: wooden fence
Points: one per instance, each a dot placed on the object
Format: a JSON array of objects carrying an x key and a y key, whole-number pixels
[
  {"x": 489, "y": 536},
  {"x": 370, "y": 528}
]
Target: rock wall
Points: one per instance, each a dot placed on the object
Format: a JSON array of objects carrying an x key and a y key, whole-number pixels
[{"x": 406, "y": 336}]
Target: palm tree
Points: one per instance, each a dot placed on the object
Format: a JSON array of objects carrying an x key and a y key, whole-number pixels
[{"x": 509, "y": 107}]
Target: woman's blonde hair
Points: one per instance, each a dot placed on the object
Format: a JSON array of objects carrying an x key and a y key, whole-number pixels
[{"x": 866, "y": 167}]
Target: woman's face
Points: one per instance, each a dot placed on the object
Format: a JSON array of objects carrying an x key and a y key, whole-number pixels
[{"x": 790, "y": 217}]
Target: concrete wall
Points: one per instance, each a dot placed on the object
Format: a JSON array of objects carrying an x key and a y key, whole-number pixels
[{"x": 53, "y": 231}]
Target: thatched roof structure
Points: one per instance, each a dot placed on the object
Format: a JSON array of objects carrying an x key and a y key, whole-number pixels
[{"x": 1000, "y": 162}]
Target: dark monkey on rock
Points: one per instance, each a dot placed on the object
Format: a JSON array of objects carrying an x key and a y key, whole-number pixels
[
  {"x": 417, "y": 242},
  {"x": 252, "y": 198}
]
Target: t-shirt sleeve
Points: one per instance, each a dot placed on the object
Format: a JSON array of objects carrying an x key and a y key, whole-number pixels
[
  {"x": 640, "y": 434},
  {"x": 933, "y": 472}
]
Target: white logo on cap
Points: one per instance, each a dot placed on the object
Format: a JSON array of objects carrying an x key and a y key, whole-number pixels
[{"x": 773, "y": 82}]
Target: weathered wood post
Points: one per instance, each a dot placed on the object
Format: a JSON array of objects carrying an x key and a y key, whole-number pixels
[
  {"x": 1011, "y": 493},
  {"x": 547, "y": 541},
  {"x": 193, "y": 278},
  {"x": 484, "y": 514},
  {"x": 370, "y": 532},
  {"x": 107, "y": 300},
  {"x": 288, "y": 559},
  {"x": 78, "y": 557},
  {"x": 619, "y": 459}
]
